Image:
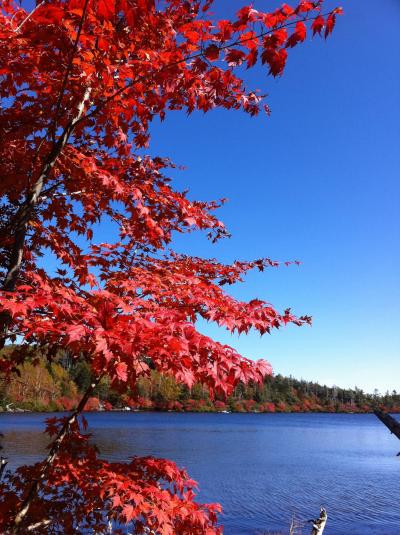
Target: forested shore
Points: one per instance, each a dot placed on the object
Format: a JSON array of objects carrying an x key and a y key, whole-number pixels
[{"x": 58, "y": 385}]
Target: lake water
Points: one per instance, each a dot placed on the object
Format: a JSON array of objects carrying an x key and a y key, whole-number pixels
[{"x": 262, "y": 468}]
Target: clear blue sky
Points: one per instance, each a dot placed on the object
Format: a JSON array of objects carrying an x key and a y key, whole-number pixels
[{"x": 318, "y": 182}]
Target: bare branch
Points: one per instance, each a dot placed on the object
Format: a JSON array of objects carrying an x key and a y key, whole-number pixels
[
  {"x": 41, "y": 524},
  {"x": 29, "y": 16}
]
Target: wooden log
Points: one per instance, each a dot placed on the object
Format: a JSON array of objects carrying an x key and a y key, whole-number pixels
[
  {"x": 319, "y": 524},
  {"x": 391, "y": 423},
  {"x": 3, "y": 464}
]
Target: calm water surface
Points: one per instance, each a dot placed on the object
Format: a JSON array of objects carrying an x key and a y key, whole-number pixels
[{"x": 262, "y": 468}]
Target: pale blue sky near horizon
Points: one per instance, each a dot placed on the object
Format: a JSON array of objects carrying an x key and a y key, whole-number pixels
[{"x": 318, "y": 182}]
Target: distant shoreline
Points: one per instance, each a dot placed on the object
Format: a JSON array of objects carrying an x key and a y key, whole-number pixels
[
  {"x": 59, "y": 386},
  {"x": 160, "y": 411}
]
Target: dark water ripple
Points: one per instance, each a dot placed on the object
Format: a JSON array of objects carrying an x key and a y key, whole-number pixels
[{"x": 263, "y": 468}]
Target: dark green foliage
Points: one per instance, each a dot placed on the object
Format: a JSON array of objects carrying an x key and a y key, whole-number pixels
[{"x": 80, "y": 373}]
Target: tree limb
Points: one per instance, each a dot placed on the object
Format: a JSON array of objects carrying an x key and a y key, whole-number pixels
[
  {"x": 145, "y": 77},
  {"x": 69, "y": 67},
  {"x": 26, "y": 210},
  {"x": 42, "y": 523},
  {"x": 29, "y": 16},
  {"x": 25, "y": 505}
]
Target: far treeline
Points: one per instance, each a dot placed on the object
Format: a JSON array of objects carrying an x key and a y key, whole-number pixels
[{"x": 58, "y": 386}]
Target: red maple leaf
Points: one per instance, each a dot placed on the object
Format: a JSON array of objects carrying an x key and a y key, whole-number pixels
[{"x": 83, "y": 81}]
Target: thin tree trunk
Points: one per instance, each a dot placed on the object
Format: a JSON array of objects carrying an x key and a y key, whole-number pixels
[
  {"x": 25, "y": 505},
  {"x": 22, "y": 219},
  {"x": 24, "y": 214}
]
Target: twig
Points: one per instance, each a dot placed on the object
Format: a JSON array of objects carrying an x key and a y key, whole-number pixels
[
  {"x": 144, "y": 77},
  {"x": 69, "y": 67},
  {"x": 40, "y": 524},
  {"x": 29, "y": 16}
]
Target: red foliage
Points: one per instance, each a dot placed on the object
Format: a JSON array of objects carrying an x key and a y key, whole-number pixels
[
  {"x": 191, "y": 405},
  {"x": 220, "y": 405},
  {"x": 92, "y": 404},
  {"x": 268, "y": 407},
  {"x": 107, "y": 406},
  {"x": 249, "y": 405},
  {"x": 143, "y": 403},
  {"x": 155, "y": 491},
  {"x": 238, "y": 407},
  {"x": 66, "y": 403},
  {"x": 81, "y": 81},
  {"x": 132, "y": 403},
  {"x": 281, "y": 407},
  {"x": 174, "y": 406}
]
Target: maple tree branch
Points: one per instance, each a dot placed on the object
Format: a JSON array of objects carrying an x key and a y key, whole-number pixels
[
  {"x": 50, "y": 189},
  {"x": 144, "y": 77},
  {"x": 36, "y": 155},
  {"x": 29, "y": 16},
  {"x": 42, "y": 523},
  {"x": 55, "y": 448},
  {"x": 25, "y": 212},
  {"x": 69, "y": 67}
]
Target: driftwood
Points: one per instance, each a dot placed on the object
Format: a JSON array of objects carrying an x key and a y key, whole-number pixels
[
  {"x": 319, "y": 524},
  {"x": 295, "y": 526},
  {"x": 391, "y": 423},
  {"x": 3, "y": 460},
  {"x": 3, "y": 464}
]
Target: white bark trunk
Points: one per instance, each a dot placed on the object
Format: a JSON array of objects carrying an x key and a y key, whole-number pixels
[{"x": 320, "y": 523}]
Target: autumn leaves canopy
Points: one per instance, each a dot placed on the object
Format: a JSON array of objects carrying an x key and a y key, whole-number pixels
[{"x": 80, "y": 83}]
